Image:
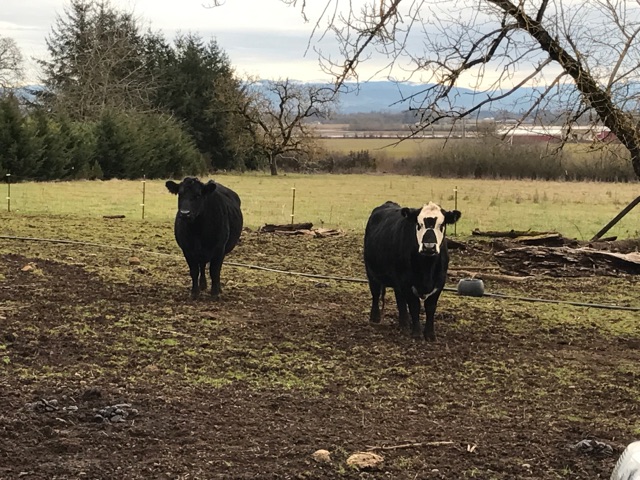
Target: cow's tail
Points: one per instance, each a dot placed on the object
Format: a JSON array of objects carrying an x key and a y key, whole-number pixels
[{"x": 383, "y": 291}]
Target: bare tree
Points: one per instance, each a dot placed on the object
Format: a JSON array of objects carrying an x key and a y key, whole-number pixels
[
  {"x": 583, "y": 56},
  {"x": 11, "y": 71},
  {"x": 278, "y": 113}
]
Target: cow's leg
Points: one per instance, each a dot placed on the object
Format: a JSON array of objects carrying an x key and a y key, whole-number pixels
[
  {"x": 203, "y": 277},
  {"x": 413, "y": 303},
  {"x": 376, "y": 290},
  {"x": 430, "y": 309},
  {"x": 402, "y": 310},
  {"x": 194, "y": 271},
  {"x": 214, "y": 271}
]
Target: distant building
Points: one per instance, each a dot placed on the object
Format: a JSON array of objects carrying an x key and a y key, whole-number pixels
[{"x": 531, "y": 133}]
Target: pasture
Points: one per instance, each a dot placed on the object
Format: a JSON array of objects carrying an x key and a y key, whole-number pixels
[
  {"x": 344, "y": 201},
  {"x": 250, "y": 386}
]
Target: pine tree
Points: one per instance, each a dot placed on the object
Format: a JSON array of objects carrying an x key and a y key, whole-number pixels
[
  {"x": 17, "y": 152},
  {"x": 200, "y": 89},
  {"x": 97, "y": 61}
]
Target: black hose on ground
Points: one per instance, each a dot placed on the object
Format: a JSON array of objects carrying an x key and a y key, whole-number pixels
[{"x": 324, "y": 277}]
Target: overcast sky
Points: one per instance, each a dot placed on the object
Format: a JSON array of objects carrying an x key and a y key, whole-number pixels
[{"x": 263, "y": 38}]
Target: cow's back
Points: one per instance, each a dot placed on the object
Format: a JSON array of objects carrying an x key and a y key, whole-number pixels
[
  {"x": 388, "y": 242},
  {"x": 231, "y": 202}
]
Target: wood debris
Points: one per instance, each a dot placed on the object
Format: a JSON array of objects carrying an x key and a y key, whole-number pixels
[
  {"x": 567, "y": 261},
  {"x": 299, "y": 229}
]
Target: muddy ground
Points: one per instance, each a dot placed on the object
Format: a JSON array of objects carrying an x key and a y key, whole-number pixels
[{"x": 109, "y": 371}]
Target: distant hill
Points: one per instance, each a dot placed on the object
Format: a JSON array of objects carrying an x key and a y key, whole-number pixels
[
  {"x": 392, "y": 97},
  {"x": 387, "y": 97},
  {"x": 384, "y": 96},
  {"x": 26, "y": 93}
]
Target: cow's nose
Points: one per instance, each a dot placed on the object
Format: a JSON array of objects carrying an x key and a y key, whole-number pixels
[
  {"x": 184, "y": 213},
  {"x": 428, "y": 248}
]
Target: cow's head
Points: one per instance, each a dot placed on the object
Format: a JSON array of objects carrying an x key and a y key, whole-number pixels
[
  {"x": 431, "y": 222},
  {"x": 191, "y": 194}
]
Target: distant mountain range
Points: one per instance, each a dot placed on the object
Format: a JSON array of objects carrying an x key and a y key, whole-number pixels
[
  {"x": 384, "y": 96},
  {"x": 387, "y": 97}
]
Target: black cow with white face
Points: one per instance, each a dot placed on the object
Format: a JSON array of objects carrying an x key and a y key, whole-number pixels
[
  {"x": 406, "y": 249},
  {"x": 207, "y": 227}
]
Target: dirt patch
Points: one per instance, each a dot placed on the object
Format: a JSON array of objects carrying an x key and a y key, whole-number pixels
[{"x": 252, "y": 385}]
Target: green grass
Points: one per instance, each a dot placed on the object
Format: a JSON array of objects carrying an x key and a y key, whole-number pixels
[
  {"x": 345, "y": 201},
  {"x": 388, "y": 147}
]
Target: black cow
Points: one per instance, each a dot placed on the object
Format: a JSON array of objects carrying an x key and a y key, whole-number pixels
[
  {"x": 406, "y": 249},
  {"x": 207, "y": 227}
]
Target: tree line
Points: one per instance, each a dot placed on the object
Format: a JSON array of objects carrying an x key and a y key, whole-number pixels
[{"x": 120, "y": 102}]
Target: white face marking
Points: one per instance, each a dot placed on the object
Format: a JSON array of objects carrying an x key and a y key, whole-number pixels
[
  {"x": 431, "y": 215},
  {"x": 423, "y": 297}
]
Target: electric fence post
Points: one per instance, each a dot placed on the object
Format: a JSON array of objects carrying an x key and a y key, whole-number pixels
[
  {"x": 455, "y": 206},
  {"x": 8, "y": 192},
  {"x": 144, "y": 187},
  {"x": 293, "y": 204}
]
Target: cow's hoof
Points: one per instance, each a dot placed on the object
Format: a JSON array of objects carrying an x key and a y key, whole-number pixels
[
  {"x": 430, "y": 337},
  {"x": 373, "y": 319},
  {"x": 416, "y": 335},
  {"x": 195, "y": 295}
]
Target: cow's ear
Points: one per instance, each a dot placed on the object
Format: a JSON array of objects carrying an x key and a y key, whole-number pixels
[
  {"x": 410, "y": 214},
  {"x": 209, "y": 187},
  {"x": 452, "y": 217},
  {"x": 173, "y": 187}
]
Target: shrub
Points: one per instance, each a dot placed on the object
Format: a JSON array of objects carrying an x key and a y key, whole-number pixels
[
  {"x": 153, "y": 145},
  {"x": 353, "y": 162}
]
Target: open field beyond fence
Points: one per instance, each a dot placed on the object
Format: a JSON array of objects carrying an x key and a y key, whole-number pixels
[{"x": 575, "y": 209}]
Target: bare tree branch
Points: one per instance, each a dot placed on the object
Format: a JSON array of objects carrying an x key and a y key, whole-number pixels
[
  {"x": 588, "y": 54},
  {"x": 11, "y": 69},
  {"x": 279, "y": 112}
]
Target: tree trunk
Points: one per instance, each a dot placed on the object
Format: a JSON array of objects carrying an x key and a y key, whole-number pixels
[{"x": 273, "y": 166}]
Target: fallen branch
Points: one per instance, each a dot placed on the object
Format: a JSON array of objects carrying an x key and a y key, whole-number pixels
[
  {"x": 408, "y": 445},
  {"x": 511, "y": 233},
  {"x": 270, "y": 228},
  {"x": 628, "y": 245},
  {"x": 455, "y": 245},
  {"x": 567, "y": 262},
  {"x": 549, "y": 240}
]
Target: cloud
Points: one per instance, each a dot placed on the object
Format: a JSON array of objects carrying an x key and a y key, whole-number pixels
[{"x": 265, "y": 37}]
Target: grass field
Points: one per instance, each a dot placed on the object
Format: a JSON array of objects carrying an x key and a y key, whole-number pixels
[
  {"x": 381, "y": 146},
  {"x": 344, "y": 201},
  {"x": 393, "y": 149}
]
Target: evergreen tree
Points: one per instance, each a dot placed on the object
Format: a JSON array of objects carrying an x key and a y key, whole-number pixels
[
  {"x": 135, "y": 144},
  {"x": 97, "y": 61},
  {"x": 80, "y": 147},
  {"x": 113, "y": 145},
  {"x": 17, "y": 155},
  {"x": 199, "y": 88},
  {"x": 49, "y": 146}
]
